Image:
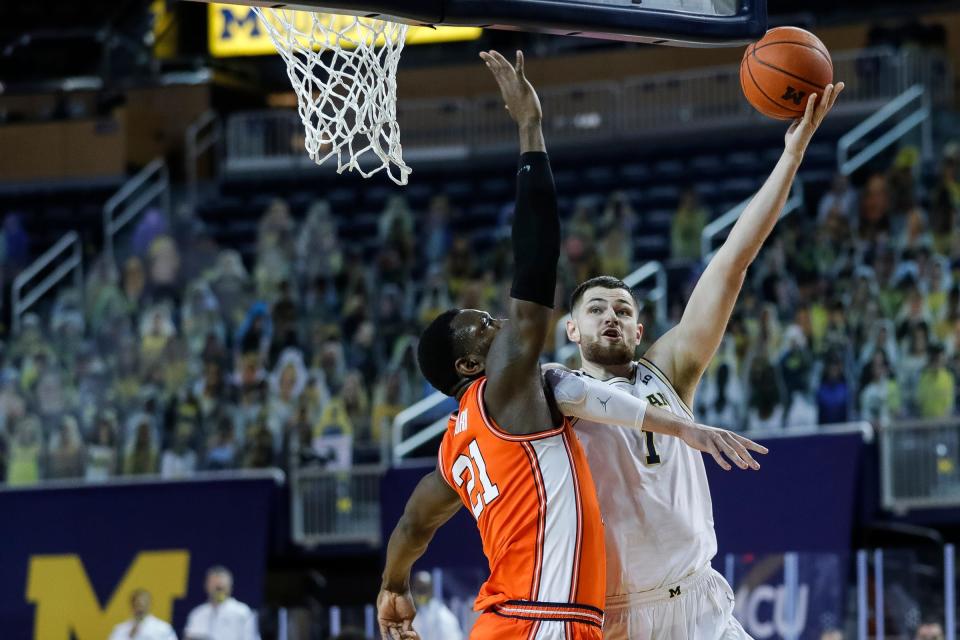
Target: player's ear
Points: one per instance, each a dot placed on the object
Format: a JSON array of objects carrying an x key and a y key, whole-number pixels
[
  {"x": 573, "y": 331},
  {"x": 470, "y": 366},
  {"x": 639, "y": 332}
]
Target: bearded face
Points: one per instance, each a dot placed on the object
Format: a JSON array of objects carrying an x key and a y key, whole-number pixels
[{"x": 605, "y": 326}]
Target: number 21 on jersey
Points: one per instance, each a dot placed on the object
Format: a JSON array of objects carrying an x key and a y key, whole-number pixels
[{"x": 475, "y": 466}]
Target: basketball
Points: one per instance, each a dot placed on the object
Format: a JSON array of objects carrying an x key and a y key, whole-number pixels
[{"x": 780, "y": 70}]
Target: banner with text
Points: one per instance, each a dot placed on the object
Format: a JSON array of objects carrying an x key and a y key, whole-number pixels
[{"x": 235, "y": 31}]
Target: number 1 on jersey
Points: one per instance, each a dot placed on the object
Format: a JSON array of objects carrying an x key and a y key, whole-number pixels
[
  {"x": 652, "y": 456},
  {"x": 462, "y": 465}
]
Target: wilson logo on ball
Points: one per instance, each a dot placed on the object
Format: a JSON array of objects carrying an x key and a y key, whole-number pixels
[{"x": 793, "y": 94}]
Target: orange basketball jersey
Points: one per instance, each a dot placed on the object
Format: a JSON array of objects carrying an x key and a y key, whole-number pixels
[{"x": 536, "y": 508}]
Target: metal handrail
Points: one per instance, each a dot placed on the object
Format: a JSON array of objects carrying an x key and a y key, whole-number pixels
[
  {"x": 635, "y": 106},
  {"x": 913, "y": 438},
  {"x": 204, "y": 134},
  {"x": 794, "y": 203},
  {"x": 402, "y": 447},
  {"x": 144, "y": 190},
  {"x": 70, "y": 242},
  {"x": 364, "y": 530},
  {"x": 919, "y": 117}
]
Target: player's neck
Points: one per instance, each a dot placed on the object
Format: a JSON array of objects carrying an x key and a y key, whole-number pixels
[{"x": 607, "y": 371}]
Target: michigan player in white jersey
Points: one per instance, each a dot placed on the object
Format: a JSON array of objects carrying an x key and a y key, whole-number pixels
[{"x": 652, "y": 489}]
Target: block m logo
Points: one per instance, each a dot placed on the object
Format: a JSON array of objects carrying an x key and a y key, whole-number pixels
[
  {"x": 674, "y": 592},
  {"x": 67, "y": 606},
  {"x": 234, "y": 19},
  {"x": 793, "y": 94}
]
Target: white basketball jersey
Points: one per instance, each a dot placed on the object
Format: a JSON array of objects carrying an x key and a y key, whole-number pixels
[{"x": 653, "y": 494}]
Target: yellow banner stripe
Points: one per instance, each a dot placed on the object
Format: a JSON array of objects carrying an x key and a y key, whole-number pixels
[{"x": 234, "y": 30}]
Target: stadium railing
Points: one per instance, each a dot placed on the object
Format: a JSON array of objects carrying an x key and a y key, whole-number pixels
[
  {"x": 147, "y": 189},
  {"x": 913, "y": 105},
  {"x": 925, "y": 576},
  {"x": 920, "y": 464},
  {"x": 716, "y": 228},
  {"x": 336, "y": 506},
  {"x": 42, "y": 276},
  {"x": 703, "y": 98},
  {"x": 204, "y": 135}
]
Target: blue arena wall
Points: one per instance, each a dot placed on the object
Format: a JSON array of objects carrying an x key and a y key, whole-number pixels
[{"x": 72, "y": 556}]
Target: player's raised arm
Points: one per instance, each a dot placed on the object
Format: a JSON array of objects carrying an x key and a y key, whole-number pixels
[
  {"x": 512, "y": 362},
  {"x": 583, "y": 397},
  {"x": 685, "y": 351},
  {"x": 432, "y": 503}
]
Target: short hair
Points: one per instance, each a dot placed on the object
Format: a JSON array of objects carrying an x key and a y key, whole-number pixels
[
  {"x": 437, "y": 353},
  {"x": 220, "y": 570},
  {"x": 140, "y": 592},
  {"x": 605, "y": 282}
]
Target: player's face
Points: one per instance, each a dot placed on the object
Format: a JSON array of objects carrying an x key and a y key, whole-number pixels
[
  {"x": 475, "y": 331},
  {"x": 605, "y": 326}
]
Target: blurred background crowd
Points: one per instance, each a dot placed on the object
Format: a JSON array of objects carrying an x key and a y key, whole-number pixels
[{"x": 182, "y": 357}]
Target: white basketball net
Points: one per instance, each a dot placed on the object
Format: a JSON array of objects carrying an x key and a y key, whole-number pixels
[{"x": 344, "y": 71}]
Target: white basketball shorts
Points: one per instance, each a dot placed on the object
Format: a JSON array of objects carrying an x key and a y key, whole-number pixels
[{"x": 699, "y": 607}]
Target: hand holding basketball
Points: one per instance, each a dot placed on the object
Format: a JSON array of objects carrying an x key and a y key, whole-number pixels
[
  {"x": 801, "y": 131},
  {"x": 395, "y": 612},
  {"x": 519, "y": 95},
  {"x": 782, "y": 69}
]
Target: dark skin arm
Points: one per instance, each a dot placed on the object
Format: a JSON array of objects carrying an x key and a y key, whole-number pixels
[
  {"x": 514, "y": 394},
  {"x": 432, "y": 503}
]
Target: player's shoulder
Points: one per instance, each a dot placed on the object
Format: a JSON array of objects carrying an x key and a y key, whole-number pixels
[{"x": 620, "y": 381}]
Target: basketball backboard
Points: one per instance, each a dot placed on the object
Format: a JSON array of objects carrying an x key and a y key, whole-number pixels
[{"x": 691, "y": 23}]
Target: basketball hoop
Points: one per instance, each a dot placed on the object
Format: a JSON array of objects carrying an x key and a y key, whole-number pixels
[{"x": 344, "y": 72}]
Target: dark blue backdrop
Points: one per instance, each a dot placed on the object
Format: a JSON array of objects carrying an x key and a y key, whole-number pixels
[
  {"x": 802, "y": 499},
  {"x": 214, "y": 521}
]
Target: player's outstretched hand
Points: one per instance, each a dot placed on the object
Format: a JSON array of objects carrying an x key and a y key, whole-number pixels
[
  {"x": 801, "y": 131},
  {"x": 395, "y": 612},
  {"x": 719, "y": 443},
  {"x": 520, "y": 96}
]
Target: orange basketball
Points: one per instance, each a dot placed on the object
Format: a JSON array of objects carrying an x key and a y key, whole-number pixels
[{"x": 779, "y": 71}]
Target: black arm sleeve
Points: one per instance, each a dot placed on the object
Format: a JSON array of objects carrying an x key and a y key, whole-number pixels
[{"x": 536, "y": 232}]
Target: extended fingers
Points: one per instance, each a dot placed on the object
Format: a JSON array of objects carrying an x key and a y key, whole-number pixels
[
  {"x": 824, "y": 104},
  {"x": 501, "y": 61},
  {"x": 811, "y": 107},
  {"x": 742, "y": 452},
  {"x": 750, "y": 444},
  {"x": 730, "y": 452},
  {"x": 720, "y": 461},
  {"x": 520, "y": 64},
  {"x": 495, "y": 63},
  {"x": 836, "y": 92}
]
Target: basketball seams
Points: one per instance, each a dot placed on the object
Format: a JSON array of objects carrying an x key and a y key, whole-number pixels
[
  {"x": 764, "y": 94},
  {"x": 760, "y": 60},
  {"x": 789, "y": 74},
  {"x": 826, "y": 56}
]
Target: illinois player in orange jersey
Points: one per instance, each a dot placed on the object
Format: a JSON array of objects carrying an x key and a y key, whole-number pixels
[{"x": 509, "y": 455}]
